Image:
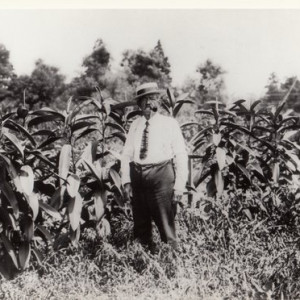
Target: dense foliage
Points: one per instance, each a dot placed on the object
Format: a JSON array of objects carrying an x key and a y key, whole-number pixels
[{"x": 61, "y": 191}]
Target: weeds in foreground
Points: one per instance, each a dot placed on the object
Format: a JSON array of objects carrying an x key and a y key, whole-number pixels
[{"x": 251, "y": 265}]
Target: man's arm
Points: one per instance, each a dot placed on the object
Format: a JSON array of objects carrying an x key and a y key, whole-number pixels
[
  {"x": 126, "y": 158},
  {"x": 181, "y": 161}
]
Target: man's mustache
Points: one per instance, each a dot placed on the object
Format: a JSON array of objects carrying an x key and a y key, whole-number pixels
[{"x": 152, "y": 106}]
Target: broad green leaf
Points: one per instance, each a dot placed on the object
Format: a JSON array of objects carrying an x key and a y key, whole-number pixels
[
  {"x": 17, "y": 127},
  {"x": 249, "y": 150},
  {"x": 276, "y": 201},
  {"x": 50, "y": 210},
  {"x": 33, "y": 203},
  {"x": 44, "y": 188},
  {"x": 74, "y": 209},
  {"x": 84, "y": 117},
  {"x": 64, "y": 162},
  {"x": 12, "y": 173},
  {"x": 118, "y": 118},
  {"x": 211, "y": 188},
  {"x": 81, "y": 125},
  {"x": 133, "y": 114},
  {"x": 238, "y": 104},
  {"x": 247, "y": 213},
  {"x": 275, "y": 172},
  {"x": 7, "y": 116},
  {"x": 43, "y": 132},
  {"x": 108, "y": 103},
  {"x": 103, "y": 228},
  {"x": 10, "y": 250},
  {"x": 200, "y": 133},
  {"x": 6, "y": 220},
  {"x": 120, "y": 135},
  {"x": 69, "y": 104},
  {"x": 244, "y": 130},
  {"x": 205, "y": 112},
  {"x": 90, "y": 151},
  {"x": 73, "y": 183},
  {"x": 171, "y": 97},
  {"x": 100, "y": 198},
  {"x": 262, "y": 128},
  {"x": 116, "y": 126},
  {"x": 283, "y": 101},
  {"x": 24, "y": 254},
  {"x": 44, "y": 159},
  {"x": 221, "y": 157},
  {"x": 26, "y": 179},
  {"x": 291, "y": 166},
  {"x": 215, "y": 103},
  {"x": 294, "y": 158},
  {"x": 217, "y": 138},
  {"x": 226, "y": 114},
  {"x": 86, "y": 132},
  {"x": 49, "y": 141},
  {"x": 2, "y": 170},
  {"x": 45, "y": 111},
  {"x": 107, "y": 109},
  {"x": 38, "y": 256},
  {"x": 289, "y": 119},
  {"x": 58, "y": 197},
  {"x": 45, "y": 118},
  {"x": 14, "y": 141},
  {"x": 10, "y": 196},
  {"x": 45, "y": 232},
  {"x": 289, "y": 127},
  {"x": 115, "y": 154},
  {"x": 189, "y": 124},
  {"x": 79, "y": 108},
  {"x": 166, "y": 107},
  {"x": 258, "y": 168},
  {"x": 287, "y": 135},
  {"x": 61, "y": 241},
  {"x": 229, "y": 159},
  {"x": 219, "y": 182},
  {"x": 183, "y": 97},
  {"x": 74, "y": 236},
  {"x": 28, "y": 227},
  {"x": 96, "y": 170},
  {"x": 198, "y": 145},
  {"x": 244, "y": 171},
  {"x": 116, "y": 179},
  {"x": 179, "y": 104},
  {"x": 216, "y": 114},
  {"x": 254, "y": 104}
]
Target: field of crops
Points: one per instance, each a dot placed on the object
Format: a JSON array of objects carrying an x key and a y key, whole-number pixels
[{"x": 66, "y": 232}]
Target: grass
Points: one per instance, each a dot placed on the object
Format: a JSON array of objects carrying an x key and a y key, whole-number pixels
[{"x": 248, "y": 263}]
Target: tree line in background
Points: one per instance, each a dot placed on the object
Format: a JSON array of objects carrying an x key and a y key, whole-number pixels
[
  {"x": 60, "y": 171},
  {"x": 46, "y": 86}
]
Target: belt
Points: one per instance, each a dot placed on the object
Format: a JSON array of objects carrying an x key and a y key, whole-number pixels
[{"x": 149, "y": 166}]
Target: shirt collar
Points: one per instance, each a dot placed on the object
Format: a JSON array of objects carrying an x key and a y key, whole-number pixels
[{"x": 152, "y": 119}]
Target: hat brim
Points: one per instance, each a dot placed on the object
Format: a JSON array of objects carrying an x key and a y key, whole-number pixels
[{"x": 148, "y": 93}]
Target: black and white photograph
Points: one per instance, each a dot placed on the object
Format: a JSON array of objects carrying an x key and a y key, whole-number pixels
[{"x": 149, "y": 152}]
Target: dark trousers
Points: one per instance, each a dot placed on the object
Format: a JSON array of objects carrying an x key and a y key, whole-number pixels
[{"x": 152, "y": 187}]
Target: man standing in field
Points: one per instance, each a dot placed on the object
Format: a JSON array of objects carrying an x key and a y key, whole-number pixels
[{"x": 154, "y": 168}]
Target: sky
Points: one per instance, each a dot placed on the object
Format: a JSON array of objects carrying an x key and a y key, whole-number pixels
[{"x": 249, "y": 44}]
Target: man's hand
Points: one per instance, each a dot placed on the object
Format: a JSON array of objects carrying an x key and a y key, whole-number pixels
[
  {"x": 127, "y": 191},
  {"x": 177, "y": 197}
]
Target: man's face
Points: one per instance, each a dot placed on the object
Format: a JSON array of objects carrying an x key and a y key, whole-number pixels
[{"x": 148, "y": 105}]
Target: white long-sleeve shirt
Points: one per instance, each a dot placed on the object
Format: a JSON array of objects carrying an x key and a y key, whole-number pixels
[{"x": 165, "y": 141}]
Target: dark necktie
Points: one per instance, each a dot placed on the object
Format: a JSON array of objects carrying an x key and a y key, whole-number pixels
[{"x": 144, "y": 144}]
